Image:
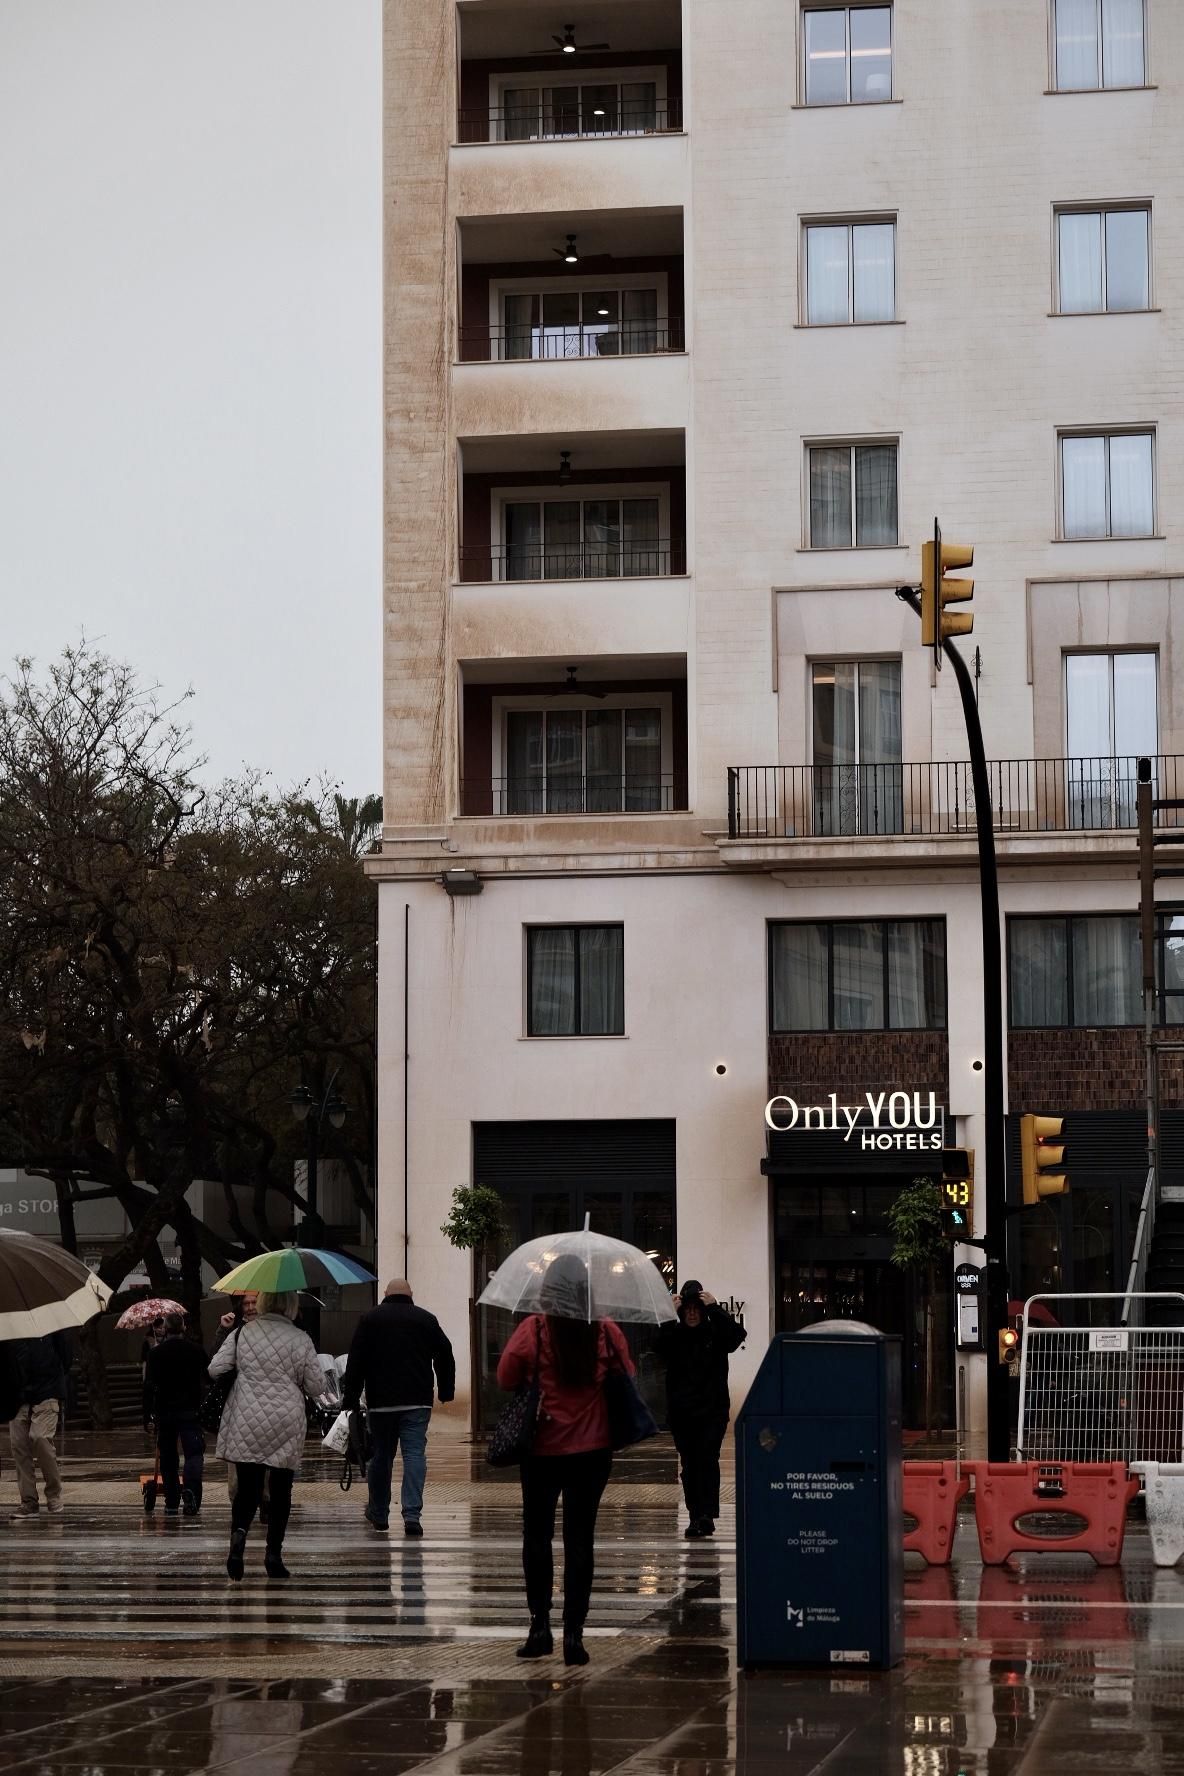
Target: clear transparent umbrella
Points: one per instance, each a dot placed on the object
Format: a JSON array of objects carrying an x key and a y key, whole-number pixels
[{"x": 581, "y": 1276}]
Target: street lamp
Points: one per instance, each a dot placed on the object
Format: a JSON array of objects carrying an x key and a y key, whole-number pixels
[{"x": 305, "y": 1109}]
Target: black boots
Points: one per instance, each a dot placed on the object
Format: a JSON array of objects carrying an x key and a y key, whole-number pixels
[
  {"x": 574, "y": 1651},
  {"x": 539, "y": 1642},
  {"x": 234, "y": 1560},
  {"x": 273, "y": 1564}
]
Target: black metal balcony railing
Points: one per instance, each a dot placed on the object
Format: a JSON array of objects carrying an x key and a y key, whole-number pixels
[
  {"x": 627, "y": 339},
  {"x": 641, "y": 793},
  {"x": 920, "y": 800},
  {"x": 555, "y": 122},
  {"x": 640, "y": 559}
]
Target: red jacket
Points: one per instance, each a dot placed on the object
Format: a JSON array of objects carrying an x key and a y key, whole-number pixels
[{"x": 571, "y": 1419}]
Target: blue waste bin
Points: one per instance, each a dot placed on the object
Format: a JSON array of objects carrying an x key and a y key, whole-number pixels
[{"x": 819, "y": 1527}]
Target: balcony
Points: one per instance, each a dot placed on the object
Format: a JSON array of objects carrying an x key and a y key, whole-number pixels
[
  {"x": 600, "y": 736},
  {"x": 548, "y": 341},
  {"x": 617, "y": 558},
  {"x": 616, "y": 71},
  {"x": 936, "y": 799}
]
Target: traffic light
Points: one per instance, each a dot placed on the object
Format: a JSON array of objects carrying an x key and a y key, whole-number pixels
[
  {"x": 1042, "y": 1154},
  {"x": 957, "y": 1193},
  {"x": 937, "y": 624},
  {"x": 1009, "y": 1345}
]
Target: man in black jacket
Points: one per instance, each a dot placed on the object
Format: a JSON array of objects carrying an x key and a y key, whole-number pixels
[
  {"x": 394, "y": 1352},
  {"x": 175, "y": 1375},
  {"x": 695, "y": 1349},
  {"x": 41, "y": 1367}
]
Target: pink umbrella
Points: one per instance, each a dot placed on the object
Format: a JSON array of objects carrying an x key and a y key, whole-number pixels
[{"x": 142, "y": 1313}]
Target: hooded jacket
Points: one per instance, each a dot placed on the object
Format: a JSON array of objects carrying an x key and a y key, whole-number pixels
[{"x": 696, "y": 1359}]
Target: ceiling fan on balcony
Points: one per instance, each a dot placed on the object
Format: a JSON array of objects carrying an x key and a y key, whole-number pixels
[
  {"x": 589, "y": 262},
  {"x": 568, "y": 45},
  {"x": 571, "y": 687}
]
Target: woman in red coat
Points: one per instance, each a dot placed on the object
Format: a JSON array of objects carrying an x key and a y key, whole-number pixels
[{"x": 572, "y": 1454}]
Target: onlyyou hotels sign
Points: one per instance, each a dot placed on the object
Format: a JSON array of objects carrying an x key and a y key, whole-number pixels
[{"x": 882, "y": 1122}]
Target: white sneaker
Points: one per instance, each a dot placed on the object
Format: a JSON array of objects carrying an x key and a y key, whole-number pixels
[{"x": 56, "y": 1509}]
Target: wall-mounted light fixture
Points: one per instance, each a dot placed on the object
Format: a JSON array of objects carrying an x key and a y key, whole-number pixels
[
  {"x": 461, "y": 881},
  {"x": 564, "y": 467}
]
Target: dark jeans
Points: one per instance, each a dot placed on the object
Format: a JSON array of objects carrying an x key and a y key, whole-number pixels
[
  {"x": 193, "y": 1447},
  {"x": 699, "y": 1437},
  {"x": 248, "y": 1493},
  {"x": 580, "y": 1481},
  {"x": 408, "y": 1432}
]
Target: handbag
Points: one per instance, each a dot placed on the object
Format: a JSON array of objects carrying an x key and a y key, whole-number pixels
[
  {"x": 150, "y": 1485},
  {"x": 629, "y": 1418},
  {"x": 512, "y": 1437},
  {"x": 209, "y": 1413}
]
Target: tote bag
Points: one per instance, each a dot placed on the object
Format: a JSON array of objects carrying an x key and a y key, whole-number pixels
[{"x": 512, "y": 1437}]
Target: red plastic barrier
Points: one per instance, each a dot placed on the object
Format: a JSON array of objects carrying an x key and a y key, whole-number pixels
[
  {"x": 931, "y": 1494},
  {"x": 1097, "y": 1491}
]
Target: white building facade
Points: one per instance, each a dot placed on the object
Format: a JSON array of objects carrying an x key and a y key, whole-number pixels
[{"x": 694, "y": 321}]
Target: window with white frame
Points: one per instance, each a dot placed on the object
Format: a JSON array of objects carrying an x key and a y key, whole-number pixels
[
  {"x": 1111, "y": 721},
  {"x": 847, "y": 54},
  {"x": 857, "y": 772},
  {"x": 607, "y": 107},
  {"x": 1098, "y": 43},
  {"x": 852, "y": 495},
  {"x": 1107, "y": 484},
  {"x": 564, "y": 538},
  {"x": 610, "y": 757},
  {"x": 575, "y": 980},
  {"x": 1103, "y": 259},
  {"x": 574, "y": 323},
  {"x": 850, "y": 272}
]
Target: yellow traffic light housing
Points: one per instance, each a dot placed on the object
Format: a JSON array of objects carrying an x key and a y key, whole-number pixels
[
  {"x": 1042, "y": 1154},
  {"x": 937, "y": 560},
  {"x": 1009, "y": 1344}
]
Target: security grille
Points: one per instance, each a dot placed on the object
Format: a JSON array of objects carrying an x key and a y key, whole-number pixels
[{"x": 1100, "y": 1393}]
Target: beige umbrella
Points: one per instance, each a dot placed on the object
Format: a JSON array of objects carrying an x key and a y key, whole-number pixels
[{"x": 44, "y": 1289}]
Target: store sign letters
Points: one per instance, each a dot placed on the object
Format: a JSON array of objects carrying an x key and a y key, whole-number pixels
[{"x": 886, "y": 1121}]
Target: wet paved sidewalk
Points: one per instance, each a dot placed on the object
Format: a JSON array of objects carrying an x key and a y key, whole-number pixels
[{"x": 123, "y": 1647}]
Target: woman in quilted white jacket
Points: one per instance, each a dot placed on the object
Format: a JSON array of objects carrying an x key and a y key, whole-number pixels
[{"x": 263, "y": 1422}]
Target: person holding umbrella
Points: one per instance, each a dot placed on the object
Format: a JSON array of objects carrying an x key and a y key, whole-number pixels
[
  {"x": 176, "y": 1375},
  {"x": 43, "y": 1290},
  {"x": 568, "y": 1354}
]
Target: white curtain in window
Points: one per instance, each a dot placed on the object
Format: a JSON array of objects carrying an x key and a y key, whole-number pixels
[
  {"x": 602, "y": 980},
  {"x": 552, "y": 959},
  {"x": 1131, "y": 504},
  {"x": 1039, "y": 982},
  {"x": 799, "y": 965},
  {"x": 1136, "y": 717},
  {"x": 1123, "y": 57},
  {"x": 836, "y": 802},
  {"x": 858, "y": 976},
  {"x": 1087, "y": 698},
  {"x": 524, "y": 762},
  {"x": 875, "y": 494},
  {"x": 916, "y": 974},
  {"x": 1077, "y": 44},
  {"x": 1107, "y": 979},
  {"x": 827, "y": 292},
  {"x": 1127, "y": 284},
  {"x": 1080, "y": 262},
  {"x": 1083, "y": 486},
  {"x": 880, "y": 775},
  {"x": 830, "y": 498},
  {"x": 826, "y": 57},
  {"x": 873, "y": 247}
]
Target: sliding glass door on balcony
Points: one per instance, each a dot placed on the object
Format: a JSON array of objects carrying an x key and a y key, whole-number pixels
[
  {"x": 583, "y": 761},
  {"x": 581, "y": 324},
  {"x": 858, "y": 777},
  {"x": 1111, "y": 720},
  {"x": 608, "y": 108},
  {"x": 572, "y": 539}
]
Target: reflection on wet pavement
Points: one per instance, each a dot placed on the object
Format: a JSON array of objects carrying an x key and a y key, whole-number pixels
[{"x": 123, "y": 1648}]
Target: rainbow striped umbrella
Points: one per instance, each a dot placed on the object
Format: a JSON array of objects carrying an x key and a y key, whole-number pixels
[{"x": 292, "y": 1267}]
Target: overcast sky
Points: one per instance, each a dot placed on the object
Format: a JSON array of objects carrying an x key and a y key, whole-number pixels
[{"x": 190, "y": 391}]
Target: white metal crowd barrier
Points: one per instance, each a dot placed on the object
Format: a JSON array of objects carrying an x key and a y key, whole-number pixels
[{"x": 1100, "y": 1392}]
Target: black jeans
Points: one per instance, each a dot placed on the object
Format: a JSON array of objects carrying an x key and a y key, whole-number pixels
[
  {"x": 699, "y": 1437},
  {"x": 186, "y": 1430},
  {"x": 580, "y": 1481},
  {"x": 251, "y": 1476}
]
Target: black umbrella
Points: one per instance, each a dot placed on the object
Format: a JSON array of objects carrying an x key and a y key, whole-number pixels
[{"x": 43, "y": 1289}]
